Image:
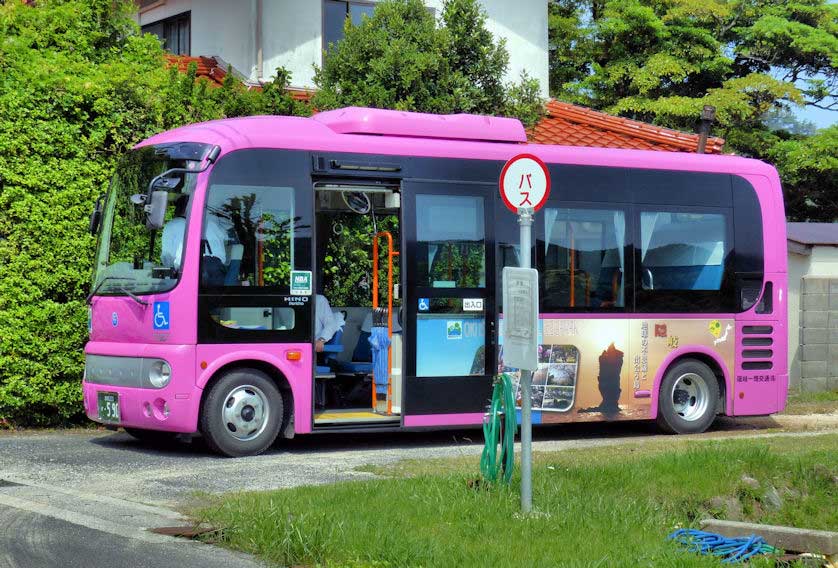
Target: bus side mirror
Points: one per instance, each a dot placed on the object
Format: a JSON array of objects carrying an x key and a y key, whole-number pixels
[
  {"x": 96, "y": 217},
  {"x": 156, "y": 210}
]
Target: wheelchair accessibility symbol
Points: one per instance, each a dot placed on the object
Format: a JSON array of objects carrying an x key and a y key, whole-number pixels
[
  {"x": 424, "y": 304},
  {"x": 161, "y": 315}
]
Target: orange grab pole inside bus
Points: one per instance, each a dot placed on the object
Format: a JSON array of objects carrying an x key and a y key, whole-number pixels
[{"x": 390, "y": 254}]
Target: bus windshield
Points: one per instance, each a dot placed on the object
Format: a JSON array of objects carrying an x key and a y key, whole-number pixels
[{"x": 131, "y": 259}]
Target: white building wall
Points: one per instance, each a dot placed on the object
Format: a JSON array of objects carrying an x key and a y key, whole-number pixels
[
  {"x": 292, "y": 34},
  {"x": 217, "y": 28},
  {"x": 523, "y": 23},
  {"x": 824, "y": 261},
  {"x": 292, "y": 37},
  {"x": 798, "y": 267}
]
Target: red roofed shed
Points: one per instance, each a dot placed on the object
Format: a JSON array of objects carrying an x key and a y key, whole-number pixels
[{"x": 572, "y": 125}]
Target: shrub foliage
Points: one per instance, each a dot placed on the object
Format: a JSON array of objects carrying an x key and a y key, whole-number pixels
[{"x": 79, "y": 85}]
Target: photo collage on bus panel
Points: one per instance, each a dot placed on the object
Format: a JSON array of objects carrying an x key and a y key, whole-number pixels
[{"x": 554, "y": 382}]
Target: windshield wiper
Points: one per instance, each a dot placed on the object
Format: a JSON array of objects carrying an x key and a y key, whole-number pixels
[
  {"x": 105, "y": 279},
  {"x": 133, "y": 296}
]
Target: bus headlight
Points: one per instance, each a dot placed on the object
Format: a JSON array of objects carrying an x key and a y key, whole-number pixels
[{"x": 159, "y": 374}]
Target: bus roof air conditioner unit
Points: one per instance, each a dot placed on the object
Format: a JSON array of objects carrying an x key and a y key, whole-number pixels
[{"x": 380, "y": 122}]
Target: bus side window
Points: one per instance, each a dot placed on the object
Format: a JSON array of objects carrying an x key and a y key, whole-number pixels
[
  {"x": 248, "y": 236},
  {"x": 581, "y": 256},
  {"x": 682, "y": 251},
  {"x": 684, "y": 261}
]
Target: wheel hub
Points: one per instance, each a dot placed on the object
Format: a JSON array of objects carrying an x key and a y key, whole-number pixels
[
  {"x": 690, "y": 396},
  {"x": 245, "y": 412}
]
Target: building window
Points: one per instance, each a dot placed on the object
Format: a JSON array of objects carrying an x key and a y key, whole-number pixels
[
  {"x": 173, "y": 32},
  {"x": 335, "y": 14}
]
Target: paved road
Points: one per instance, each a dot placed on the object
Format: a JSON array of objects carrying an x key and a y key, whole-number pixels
[
  {"x": 33, "y": 540},
  {"x": 71, "y": 495}
]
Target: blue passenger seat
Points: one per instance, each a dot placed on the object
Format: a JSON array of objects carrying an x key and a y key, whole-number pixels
[
  {"x": 329, "y": 357},
  {"x": 361, "y": 363}
]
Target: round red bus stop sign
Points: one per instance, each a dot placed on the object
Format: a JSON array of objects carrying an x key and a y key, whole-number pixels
[{"x": 524, "y": 183}]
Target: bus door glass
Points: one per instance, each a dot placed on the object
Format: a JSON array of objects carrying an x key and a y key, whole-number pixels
[{"x": 449, "y": 299}]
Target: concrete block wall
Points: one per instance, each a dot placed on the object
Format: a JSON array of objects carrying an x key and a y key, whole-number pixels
[{"x": 818, "y": 351}]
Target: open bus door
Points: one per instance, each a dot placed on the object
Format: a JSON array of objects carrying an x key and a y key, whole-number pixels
[{"x": 357, "y": 376}]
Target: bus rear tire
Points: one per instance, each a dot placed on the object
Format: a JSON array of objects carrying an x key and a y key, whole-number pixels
[
  {"x": 688, "y": 398},
  {"x": 242, "y": 413}
]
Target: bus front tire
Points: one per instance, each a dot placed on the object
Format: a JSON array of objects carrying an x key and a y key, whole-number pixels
[
  {"x": 688, "y": 398},
  {"x": 242, "y": 413}
]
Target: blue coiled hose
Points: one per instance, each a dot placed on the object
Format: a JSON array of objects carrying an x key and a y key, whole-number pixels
[
  {"x": 733, "y": 550},
  {"x": 499, "y": 428}
]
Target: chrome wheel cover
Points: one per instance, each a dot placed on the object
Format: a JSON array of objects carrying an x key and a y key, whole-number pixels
[
  {"x": 690, "y": 396},
  {"x": 245, "y": 413}
]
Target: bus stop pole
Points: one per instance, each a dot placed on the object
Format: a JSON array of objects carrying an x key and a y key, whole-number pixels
[{"x": 525, "y": 220}]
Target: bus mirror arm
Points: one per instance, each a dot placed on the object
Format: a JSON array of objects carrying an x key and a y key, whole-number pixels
[
  {"x": 164, "y": 182},
  {"x": 157, "y": 197},
  {"x": 96, "y": 216}
]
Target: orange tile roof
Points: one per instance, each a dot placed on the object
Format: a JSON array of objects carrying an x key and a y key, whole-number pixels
[
  {"x": 572, "y": 125},
  {"x": 209, "y": 68}
]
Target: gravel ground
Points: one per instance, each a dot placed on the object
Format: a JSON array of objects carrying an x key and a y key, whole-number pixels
[{"x": 115, "y": 465}]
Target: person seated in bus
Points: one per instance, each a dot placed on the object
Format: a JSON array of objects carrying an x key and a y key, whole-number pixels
[
  {"x": 172, "y": 238},
  {"x": 326, "y": 322},
  {"x": 173, "y": 234}
]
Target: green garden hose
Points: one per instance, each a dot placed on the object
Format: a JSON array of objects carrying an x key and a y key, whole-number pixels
[{"x": 499, "y": 430}]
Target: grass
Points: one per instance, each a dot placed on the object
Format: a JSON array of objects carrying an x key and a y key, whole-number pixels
[
  {"x": 824, "y": 402},
  {"x": 610, "y": 506}
]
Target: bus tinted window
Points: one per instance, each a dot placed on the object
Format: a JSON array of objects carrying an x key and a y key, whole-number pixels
[
  {"x": 581, "y": 256},
  {"x": 248, "y": 236},
  {"x": 451, "y": 241},
  {"x": 682, "y": 251}
]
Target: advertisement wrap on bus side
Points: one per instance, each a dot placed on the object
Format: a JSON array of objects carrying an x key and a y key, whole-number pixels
[{"x": 604, "y": 369}]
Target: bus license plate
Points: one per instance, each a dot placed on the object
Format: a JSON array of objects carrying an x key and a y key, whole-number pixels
[{"x": 109, "y": 407}]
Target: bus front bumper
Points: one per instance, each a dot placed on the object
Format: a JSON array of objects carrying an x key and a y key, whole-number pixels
[{"x": 117, "y": 392}]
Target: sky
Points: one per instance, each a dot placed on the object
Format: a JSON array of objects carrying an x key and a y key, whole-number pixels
[{"x": 822, "y": 118}]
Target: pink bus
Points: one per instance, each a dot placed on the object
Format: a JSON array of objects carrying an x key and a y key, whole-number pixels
[{"x": 662, "y": 281}]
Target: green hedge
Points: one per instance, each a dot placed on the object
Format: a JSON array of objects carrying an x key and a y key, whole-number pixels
[{"x": 79, "y": 85}]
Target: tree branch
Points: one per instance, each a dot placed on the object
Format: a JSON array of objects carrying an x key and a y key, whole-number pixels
[{"x": 832, "y": 106}]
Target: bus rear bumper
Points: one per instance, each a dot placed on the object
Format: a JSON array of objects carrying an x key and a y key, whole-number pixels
[{"x": 167, "y": 409}]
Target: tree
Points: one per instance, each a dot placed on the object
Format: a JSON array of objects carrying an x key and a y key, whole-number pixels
[
  {"x": 810, "y": 175},
  {"x": 79, "y": 85},
  {"x": 661, "y": 61},
  {"x": 401, "y": 59}
]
